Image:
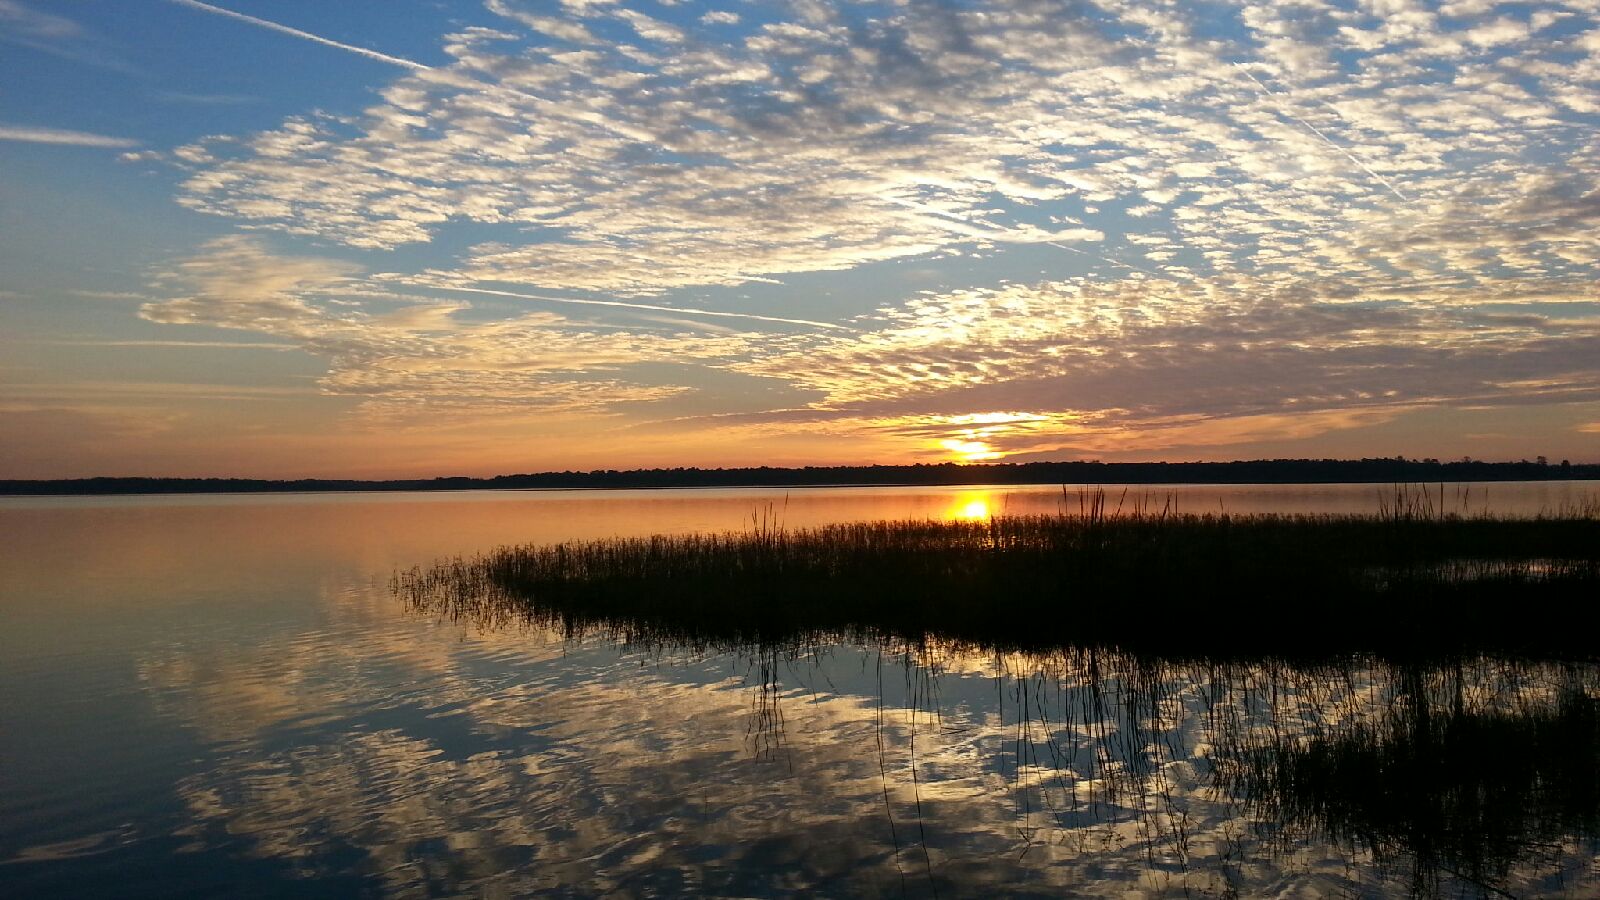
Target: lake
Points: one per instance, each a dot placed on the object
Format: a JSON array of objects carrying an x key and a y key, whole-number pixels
[{"x": 223, "y": 695}]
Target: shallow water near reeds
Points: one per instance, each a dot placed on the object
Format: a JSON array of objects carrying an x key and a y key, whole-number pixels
[{"x": 223, "y": 696}]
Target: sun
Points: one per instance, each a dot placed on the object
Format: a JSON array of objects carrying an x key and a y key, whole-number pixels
[{"x": 970, "y": 451}]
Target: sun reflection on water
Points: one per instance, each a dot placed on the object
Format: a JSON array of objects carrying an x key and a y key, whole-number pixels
[{"x": 969, "y": 507}]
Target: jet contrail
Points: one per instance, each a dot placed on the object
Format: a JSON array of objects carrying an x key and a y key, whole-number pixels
[
  {"x": 1115, "y": 262},
  {"x": 444, "y": 76},
  {"x": 35, "y": 135},
  {"x": 678, "y": 310},
  {"x": 304, "y": 35},
  {"x": 976, "y": 226},
  {"x": 1313, "y": 129}
]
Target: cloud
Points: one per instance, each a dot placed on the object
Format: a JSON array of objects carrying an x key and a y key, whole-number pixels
[
  {"x": 554, "y": 26},
  {"x": 22, "y": 21},
  {"x": 32, "y": 134},
  {"x": 203, "y": 99},
  {"x": 90, "y": 390},
  {"x": 1269, "y": 93},
  {"x": 1079, "y": 365},
  {"x": 810, "y": 146},
  {"x": 1287, "y": 219},
  {"x": 199, "y": 345},
  {"x": 619, "y": 304},
  {"x": 1086, "y": 363},
  {"x": 404, "y": 355},
  {"x": 23, "y": 26},
  {"x": 1503, "y": 30}
]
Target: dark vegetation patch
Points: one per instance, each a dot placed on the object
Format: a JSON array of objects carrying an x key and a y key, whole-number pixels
[{"x": 1408, "y": 582}]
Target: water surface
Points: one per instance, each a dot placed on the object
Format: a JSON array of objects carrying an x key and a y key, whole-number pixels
[{"x": 215, "y": 694}]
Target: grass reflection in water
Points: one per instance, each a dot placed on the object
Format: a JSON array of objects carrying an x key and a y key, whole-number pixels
[
  {"x": 1465, "y": 774},
  {"x": 1408, "y": 688}
]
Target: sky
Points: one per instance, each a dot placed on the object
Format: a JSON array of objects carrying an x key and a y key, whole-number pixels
[{"x": 402, "y": 238}]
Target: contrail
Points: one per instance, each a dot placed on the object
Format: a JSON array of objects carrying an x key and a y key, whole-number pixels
[
  {"x": 34, "y": 135},
  {"x": 441, "y": 76},
  {"x": 1115, "y": 262},
  {"x": 1313, "y": 129},
  {"x": 677, "y": 310},
  {"x": 976, "y": 226},
  {"x": 305, "y": 35}
]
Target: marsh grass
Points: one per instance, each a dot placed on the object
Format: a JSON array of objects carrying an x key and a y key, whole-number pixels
[{"x": 1413, "y": 579}]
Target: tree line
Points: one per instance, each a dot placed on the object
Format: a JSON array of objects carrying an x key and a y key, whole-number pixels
[{"x": 1393, "y": 470}]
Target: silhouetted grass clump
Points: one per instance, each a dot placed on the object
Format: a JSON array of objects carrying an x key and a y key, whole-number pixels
[{"x": 1410, "y": 580}]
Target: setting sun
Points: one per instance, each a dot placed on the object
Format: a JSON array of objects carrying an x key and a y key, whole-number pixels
[{"x": 970, "y": 451}]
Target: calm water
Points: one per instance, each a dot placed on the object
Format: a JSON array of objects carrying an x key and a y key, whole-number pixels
[{"x": 220, "y": 695}]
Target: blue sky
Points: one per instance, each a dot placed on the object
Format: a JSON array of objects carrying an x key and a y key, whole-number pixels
[{"x": 408, "y": 238}]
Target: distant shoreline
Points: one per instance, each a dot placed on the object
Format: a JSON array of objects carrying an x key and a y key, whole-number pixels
[{"x": 1274, "y": 471}]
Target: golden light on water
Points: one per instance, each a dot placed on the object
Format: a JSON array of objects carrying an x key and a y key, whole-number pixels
[
  {"x": 977, "y": 509},
  {"x": 969, "y": 507}
]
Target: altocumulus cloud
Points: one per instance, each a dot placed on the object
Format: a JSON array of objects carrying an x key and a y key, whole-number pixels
[
  {"x": 401, "y": 354},
  {"x": 1387, "y": 206}
]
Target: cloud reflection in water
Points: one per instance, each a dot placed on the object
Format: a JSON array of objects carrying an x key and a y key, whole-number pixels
[{"x": 437, "y": 756}]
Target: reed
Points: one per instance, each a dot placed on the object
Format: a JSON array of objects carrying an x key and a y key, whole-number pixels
[{"x": 1139, "y": 576}]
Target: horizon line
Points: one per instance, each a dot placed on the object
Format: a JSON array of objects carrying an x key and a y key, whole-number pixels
[{"x": 689, "y": 476}]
